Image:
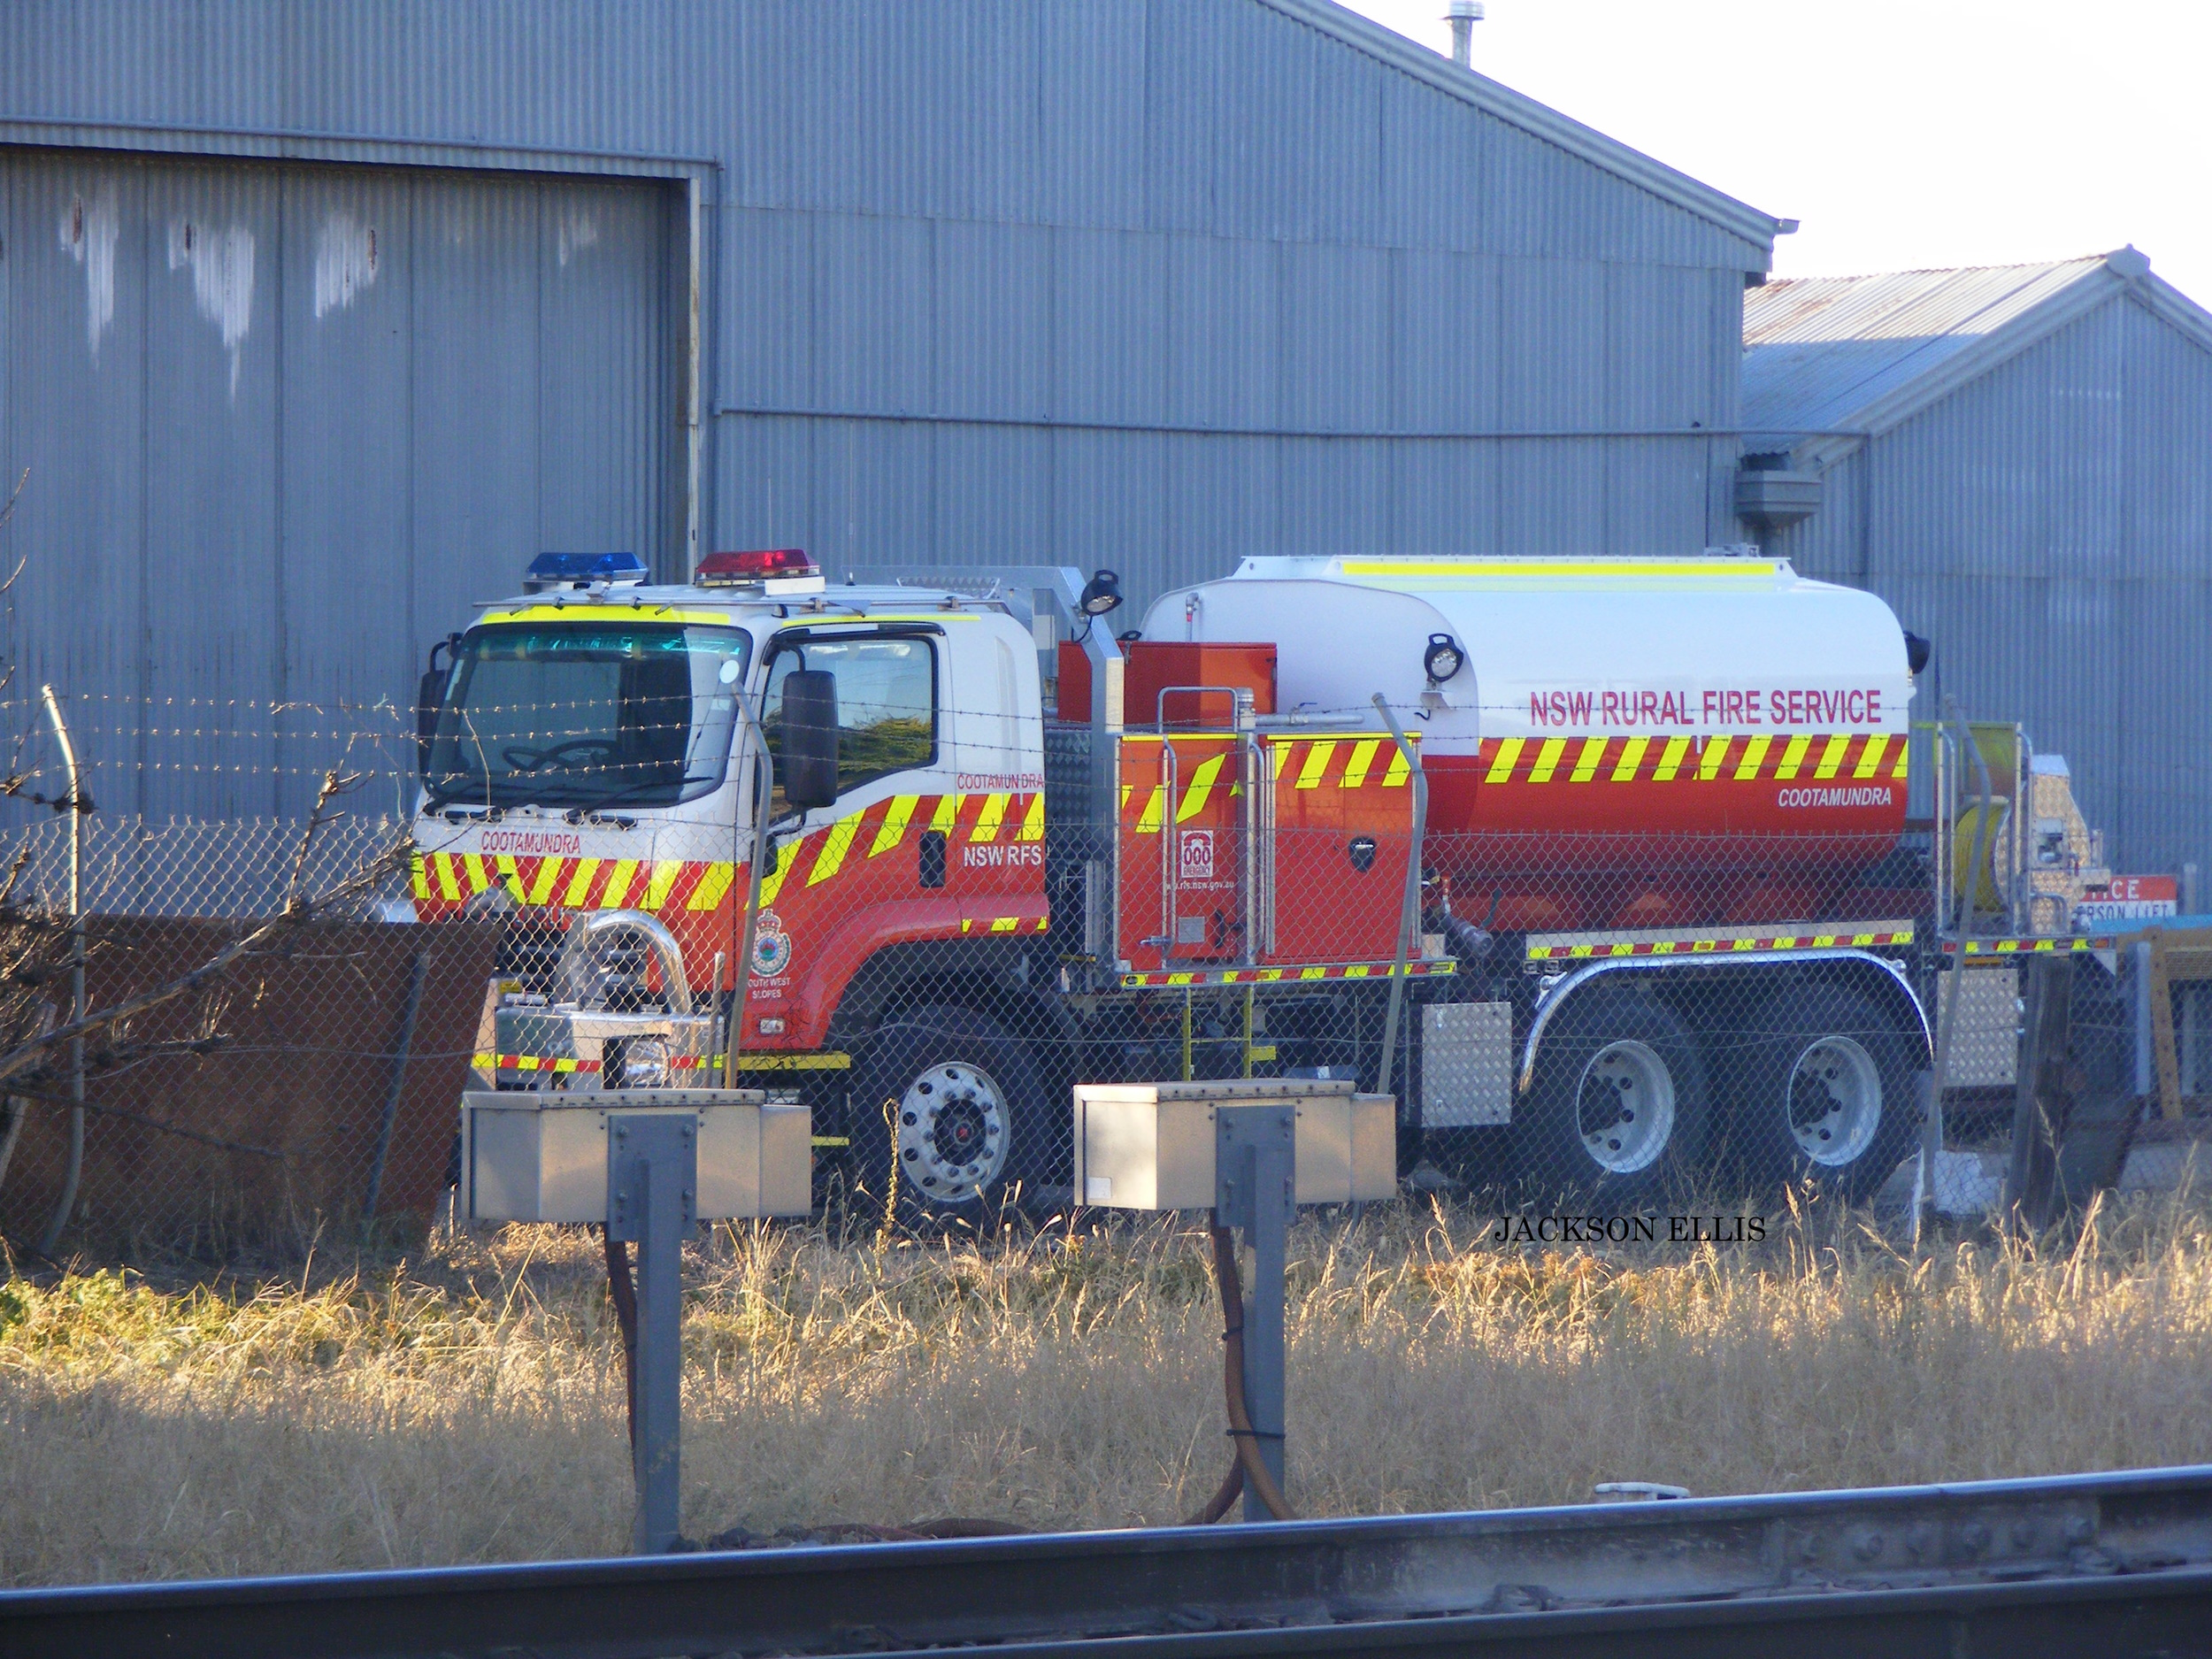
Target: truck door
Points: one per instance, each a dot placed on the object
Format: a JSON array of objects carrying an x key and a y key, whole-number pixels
[{"x": 872, "y": 869}]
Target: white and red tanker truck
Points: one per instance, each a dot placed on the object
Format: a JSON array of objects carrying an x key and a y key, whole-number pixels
[{"x": 1658, "y": 917}]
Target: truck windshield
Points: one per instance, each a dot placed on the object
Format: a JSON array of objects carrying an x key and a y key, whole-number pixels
[{"x": 588, "y": 714}]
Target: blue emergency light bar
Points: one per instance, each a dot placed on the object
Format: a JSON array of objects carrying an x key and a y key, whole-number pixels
[{"x": 583, "y": 570}]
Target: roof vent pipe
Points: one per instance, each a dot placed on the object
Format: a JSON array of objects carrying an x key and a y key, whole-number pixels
[{"x": 1463, "y": 15}]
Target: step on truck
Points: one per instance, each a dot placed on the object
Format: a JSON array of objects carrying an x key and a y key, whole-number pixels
[{"x": 1597, "y": 864}]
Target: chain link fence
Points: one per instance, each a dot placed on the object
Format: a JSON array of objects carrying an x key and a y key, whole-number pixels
[{"x": 1626, "y": 1030}]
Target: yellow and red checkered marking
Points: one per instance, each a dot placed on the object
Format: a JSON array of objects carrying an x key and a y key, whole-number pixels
[
  {"x": 826, "y": 1061},
  {"x": 1978, "y": 948},
  {"x": 1723, "y": 945},
  {"x": 1178, "y": 978}
]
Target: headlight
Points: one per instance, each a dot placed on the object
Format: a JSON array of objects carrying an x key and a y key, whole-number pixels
[{"x": 641, "y": 1063}]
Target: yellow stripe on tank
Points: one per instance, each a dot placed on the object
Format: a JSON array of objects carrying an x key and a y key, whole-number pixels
[
  {"x": 1671, "y": 760},
  {"x": 1548, "y": 760},
  {"x": 1362, "y": 758},
  {"x": 1831, "y": 757},
  {"x": 1632, "y": 757},
  {"x": 1502, "y": 764},
  {"x": 1755, "y": 750},
  {"x": 1316, "y": 764}
]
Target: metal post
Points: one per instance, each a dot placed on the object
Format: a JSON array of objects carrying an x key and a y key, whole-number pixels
[
  {"x": 78, "y": 806},
  {"x": 1254, "y": 1191},
  {"x": 1948, "y": 1002},
  {"x": 1409, "y": 915},
  {"x": 741, "y": 970},
  {"x": 652, "y": 1198},
  {"x": 393, "y": 1090}
]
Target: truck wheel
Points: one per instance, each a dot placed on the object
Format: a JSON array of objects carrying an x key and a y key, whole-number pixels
[
  {"x": 1826, "y": 1095},
  {"x": 1618, "y": 1109},
  {"x": 960, "y": 1088}
]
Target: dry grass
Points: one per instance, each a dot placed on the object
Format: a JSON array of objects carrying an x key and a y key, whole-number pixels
[{"x": 467, "y": 1407}]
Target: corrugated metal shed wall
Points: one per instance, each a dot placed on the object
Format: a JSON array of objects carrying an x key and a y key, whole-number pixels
[
  {"x": 280, "y": 424},
  {"x": 986, "y": 279},
  {"x": 2049, "y": 526}
]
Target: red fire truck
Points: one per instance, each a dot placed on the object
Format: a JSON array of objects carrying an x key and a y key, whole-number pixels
[{"x": 1595, "y": 861}]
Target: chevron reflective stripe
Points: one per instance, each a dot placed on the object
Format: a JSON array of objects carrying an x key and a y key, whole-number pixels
[
  {"x": 1033, "y": 820},
  {"x": 826, "y": 1061},
  {"x": 1362, "y": 758},
  {"x": 988, "y": 820},
  {"x": 1994, "y": 947},
  {"x": 1005, "y": 924},
  {"x": 1818, "y": 756},
  {"x": 835, "y": 845},
  {"x": 1602, "y": 950},
  {"x": 1200, "y": 789},
  {"x": 712, "y": 885},
  {"x": 1316, "y": 767},
  {"x": 1179, "y": 978},
  {"x": 896, "y": 817}
]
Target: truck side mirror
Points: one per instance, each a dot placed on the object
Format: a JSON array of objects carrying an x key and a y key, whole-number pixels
[
  {"x": 430, "y": 698},
  {"x": 809, "y": 738}
]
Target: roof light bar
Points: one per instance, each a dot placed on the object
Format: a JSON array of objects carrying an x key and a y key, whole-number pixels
[
  {"x": 583, "y": 570},
  {"x": 780, "y": 570}
]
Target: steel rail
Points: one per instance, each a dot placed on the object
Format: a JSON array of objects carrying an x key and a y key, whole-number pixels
[{"x": 2073, "y": 1565}]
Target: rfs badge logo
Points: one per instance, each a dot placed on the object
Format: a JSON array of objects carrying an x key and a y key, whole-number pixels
[{"x": 772, "y": 946}]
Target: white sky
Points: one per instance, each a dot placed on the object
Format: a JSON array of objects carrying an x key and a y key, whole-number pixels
[{"x": 1903, "y": 133}]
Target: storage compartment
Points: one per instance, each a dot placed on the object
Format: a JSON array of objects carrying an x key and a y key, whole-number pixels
[
  {"x": 1150, "y": 1146},
  {"x": 1466, "y": 1064},
  {"x": 1157, "y": 667},
  {"x": 527, "y": 1156}
]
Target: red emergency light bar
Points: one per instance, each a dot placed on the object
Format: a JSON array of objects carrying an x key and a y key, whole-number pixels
[{"x": 739, "y": 570}]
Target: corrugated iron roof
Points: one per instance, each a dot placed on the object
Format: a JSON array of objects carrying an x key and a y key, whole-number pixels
[{"x": 1819, "y": 351}]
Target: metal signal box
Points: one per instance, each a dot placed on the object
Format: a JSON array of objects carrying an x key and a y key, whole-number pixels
[
  {"x": 1151, "y": 1146},
  {"x": 529, "y": 1157}
]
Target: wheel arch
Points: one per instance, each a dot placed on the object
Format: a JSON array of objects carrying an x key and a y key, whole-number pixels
[{"x": 1878, "y": 977}]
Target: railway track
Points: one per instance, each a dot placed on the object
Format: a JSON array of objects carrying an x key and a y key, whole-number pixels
[{"x": 2103, "y": 1564}]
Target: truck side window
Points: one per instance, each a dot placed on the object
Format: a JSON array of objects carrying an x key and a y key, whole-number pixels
[{"x": 887, "y": 703}]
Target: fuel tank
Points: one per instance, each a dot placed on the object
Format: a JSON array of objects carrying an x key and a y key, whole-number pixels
[{"x": 1608, "y": 742}]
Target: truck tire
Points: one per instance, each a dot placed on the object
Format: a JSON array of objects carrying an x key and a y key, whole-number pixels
[
  {"x": 1616, "y": 1112},
  {"x": 1823, "y": 1092},
  {"x": 962, "y": 1095}
]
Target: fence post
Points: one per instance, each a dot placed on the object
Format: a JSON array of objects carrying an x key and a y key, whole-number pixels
[
  {"x": 78, "y": 807},
  {"x": 2043, "y": 1098},
  {"x": 415, "y": 976}
]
